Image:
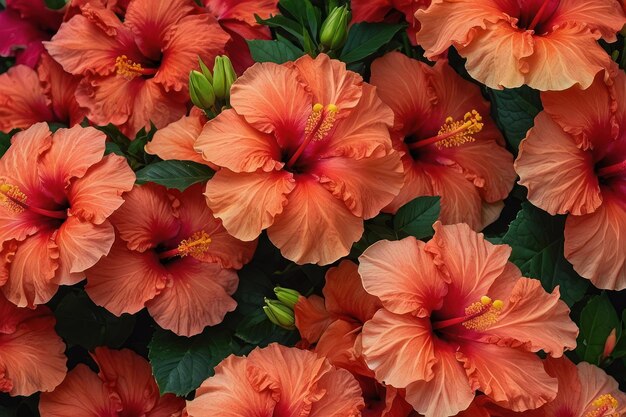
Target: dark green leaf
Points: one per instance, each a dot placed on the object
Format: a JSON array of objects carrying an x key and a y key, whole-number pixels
[
  {"x": 597, "y": 320},
  {"x": 291, "y": 26},
  {"x": 111, "y": 147},
  {"x": 81, "y": 322},
  {"x": 55, "y": 4},
  {"x": 175, "y": 174},
  {"x": 5, "y": 142},
  {"x": 537, "y": 242},
  {"x": 274, "y": 51},
  {"x": 514, "y": 110},
  {"x": 364, "y": 39},
  {"x": 180, "y": 364},
  {"x": 378, "y": 228},
  {"x": 416, "y": 218}
]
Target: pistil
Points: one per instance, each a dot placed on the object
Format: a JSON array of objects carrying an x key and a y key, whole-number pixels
[
  {"x": 612, "y": 170},
  {"x": 130, "y": 69},
  {"x": 454, "y": 133},
  {"x": 12, "y": 198},
  {"x": 320, "y": 122},
  {"x": 605, "y": 406},
  {"x": 196, "y": 245},
  {"x": 478, "y": 315}
]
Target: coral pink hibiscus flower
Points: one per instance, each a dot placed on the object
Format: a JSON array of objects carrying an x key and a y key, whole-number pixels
[
  {"x": 31, "y": 353},
  {"x": 383, "y": 10},
  {"x": 137, "y": 71},
  {"x": 56, "y": 194},
  {"x": 277, "y": 381},
  {"x": 46, "y": 95},
  {"x": 457, "y": 317},
  {"x": 123, "y": 387},
  {"x": 450, "y": 146},
  {"x": 508, "y": 43},
  {"x": 304, "y": 149},
  {"x": 583, "y": 172},
  {"x": 173, "y": 257}
]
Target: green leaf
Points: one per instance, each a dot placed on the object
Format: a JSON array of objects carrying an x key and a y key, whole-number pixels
[
  {"x": 537, "y": 242},
  {"x": 175, "y": 174},
  {"x": 378, "y": 228},
  {"x": 111, "y": 147},
  {"x": 416, "y": 218},
  {"x": 597, "y": 320},
  {"x": 274, "y": 51},
  {"x": 281, "y": 22},
  {"x": 5, "y": 142},
  {"x": 81, "y": 322},
  {"x": 55, "y": 4},
  {"x": 514, "y": 110},
  {"x": 180, "y": 364},
  {"x": 364, "y": 39}
]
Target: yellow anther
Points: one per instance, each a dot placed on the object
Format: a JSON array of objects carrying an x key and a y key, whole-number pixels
[
  {"x": 482, "y": 314},
  {"x": 320, "y": 122},
  {"x": 332, "y": 108},
  {"x": 196, "y": 245},
  {"x": 127, "y": 68},
  {"x": 456, "y": 133},
  {"x": 12, "y": 198},
  {"x": 317, "y": 107},
  {"x": 498, "y": 304},
  {"x": 605, "y": 406},
  {"x": 484, "y": 300}
]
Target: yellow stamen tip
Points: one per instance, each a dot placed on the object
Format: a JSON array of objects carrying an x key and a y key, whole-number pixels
[
  {"x": 484, "y": 300},
  {"x": 11, "y": 196},
  {"x": 332, "y": 108},
  {"x": 456, "y": 133},
  {"x": 605, "y": 406},
  {"x": 4, "y": 188},
  {"x": 318, "y": 107},
  {"x": 196, "y": 245},
  {"x": 127, "y": 68},
  {"x": 498, "y": 304}
]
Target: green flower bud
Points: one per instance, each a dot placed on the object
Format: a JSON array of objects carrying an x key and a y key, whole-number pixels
[
  {"x": 205, "y": 70},
  {"x": 334, "y": 32},
  {"x": 223, "y": 77},
  {"x": 200, "y": 90},
  {"x": 287, "y": 296},
  {"x": 280, "y": 314}
]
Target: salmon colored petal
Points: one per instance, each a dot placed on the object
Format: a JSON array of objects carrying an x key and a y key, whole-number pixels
[
  {"x": 81, "y": 394},
  {"x": 403, "y": 275},
  {"x": 311, "y": 207},
  {"x": 261, "y": 196},
  {"x": 329, "y": 82},
  {"x": 197, "y": 295},
  {"x": 385, "y": 335},
  {"x": 124, "y": 280},
  {"x": 31, "y": 267},
  {"x": 560, "y": 177},
  {"x": 606, "y": 17},
  {"x": 312, "y": 319},
  {"x": 365, "y": 185},
  {"x": 33, "y": 343},
  {"x": 343, "y": 396},
  {"x": 512, "y": 378},
  {"x": 344, "y": 294},
  {"x": 22, "y": 99},
  {"x": 594, "y": 383},
  {"x": 229, "y": 141},
  {"x": 566, "y": 374},
  {"x": 227, "y": 394},
  {"x": 60, "y": 86},
  {"x": 271, "y": 98},
  {"x": 27, "y": 149},
  {"x": 534, "y": 320},
  {"x": 447, "y": 393},
  {"x": 337, "y": 344},
  {"x": 416, "y": 184},
  {"x": 157, "y": 222},
  {"x": 176, "y": 140},
  {"x": 96, "y": 196},
  {"x": 370, "y": 10},
  {"x": 169, "y": 405},
  {"x": 595, "y": 245},
  {"x": 491, "y": 212}
]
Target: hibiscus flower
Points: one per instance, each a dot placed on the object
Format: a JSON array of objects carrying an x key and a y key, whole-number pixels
[
  {"x": 387, "y": 10},
  {"x": 173, "y": 257},
  {"x": 305, "y": 153},
  {"x": 457, "y": 317},
  {"x": 136, "y": 71},
  {"x": 277, "y": 381},
  {"x": 449, "y": 145},
  {"x": 583, "y": 172},
  {"x": 31, "y": 354},
  {"x": 508, "y": 43},
  {"x": 123, "y": 387},
  {"x": 56, "y": 194}
]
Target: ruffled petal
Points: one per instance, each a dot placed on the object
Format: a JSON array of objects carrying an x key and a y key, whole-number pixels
[
  {"x": 169, "y": 405},
  {"x": 594, "y": 383},
  {"x": 310, "y": 209},
  {"x": 403, "y": 275},
  {"x": 243, "y": 10},
  {"x": 22, "y": 99},
  {"x": 417, "y": 183},
  {"x": 566, "y": 374},
  {"x": 197, "y": 295},
  {"x": 247, "y": 203},
  {"x": 604, "y": 16},
  {"x": 176, "y": 140},
  {"x": 399, "y": 348},
  {"x": 343, "y": 396},
  {"x": 337, "y": 344},
  {"x": 60, "y": 86},
  {"x": 312, "y": 318}
]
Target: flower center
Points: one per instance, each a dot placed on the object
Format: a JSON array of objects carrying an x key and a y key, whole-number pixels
[
  {"x": 318, "y": 126},
  {"x": 196, "y": 245},
  {"x": 535, "y": 13},
  {"x": 612, "y": 170},
  {"x": 605, "y": 406},
  {"x": 14, "y": 200},
  {"x": 478, "y": 316},
  {"x": 453, "y": 133},
  {"x": 130, "y": 69}
]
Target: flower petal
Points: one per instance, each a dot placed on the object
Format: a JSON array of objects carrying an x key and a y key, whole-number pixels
[
  {"x": 606, "y": 17},
  {"x": 594, "y": 383},
  {"x": 60, "y": 86},
  {"x": 417, "y": 183},
  {"x": 312, "y": 319},
  {"x": 176, "y": 140},
  {"x": 22, "y": 100}
]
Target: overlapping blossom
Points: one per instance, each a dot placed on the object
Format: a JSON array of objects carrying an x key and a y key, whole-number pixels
[{"x": 388, "y": 10}]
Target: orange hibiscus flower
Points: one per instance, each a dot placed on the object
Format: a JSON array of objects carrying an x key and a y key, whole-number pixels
[
  {"x": 173, "y": 257},
  {"x": 136, "y": 71},
  {"x": 583, "y": 172},
  {"x": 450, "y": 146},
  {"x": 508, "y": 43},
  {"x": 458, "y": 317},
  {"x": 56, "y": 194},
  {"x": 31, "y": 354},
  {"x": 305, "y": 153},
  {"x": 123, "y": 387},
  {"x": 385, "y": 10},
  {"x": 277, "y": 381}
]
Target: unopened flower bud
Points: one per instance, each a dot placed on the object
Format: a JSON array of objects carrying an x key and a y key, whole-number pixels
[
  {"x": 287, "y": 296},
  {"x": 205, "y": 70},
  {"x": 280, "y": 314},
  {"x": 201, "y": 90},
  {"x": 609, "y": 345},
  {"x": 223, "y": 77},
  {"x": 334, "y": 32}
]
